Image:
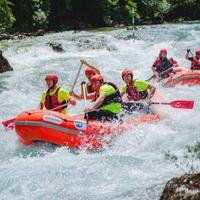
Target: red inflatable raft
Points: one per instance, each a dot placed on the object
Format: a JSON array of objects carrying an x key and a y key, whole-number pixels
[
  {"x": 183, "y": 77},
  {"x": 70, "y": 131}
]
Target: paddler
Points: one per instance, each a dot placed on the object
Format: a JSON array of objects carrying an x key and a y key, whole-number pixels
[
  {"x": 195, "y": 60},
  {"x": 107, "y": 104},
  {"x": 163, "y": 66},
  {"x": 54, "y": 97},
  {"x": 136, "y": 90},
  {"x": 89, "y": 72}
]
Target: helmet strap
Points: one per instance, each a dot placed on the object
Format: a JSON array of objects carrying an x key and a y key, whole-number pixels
[{"x": 53, "y": 86}]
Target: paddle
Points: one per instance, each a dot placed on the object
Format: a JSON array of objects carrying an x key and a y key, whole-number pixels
[
  {"x": 189, "y": 51},
  {"x": 9, "y": 123},
  {"x": 79, "y": 70},
  {"x": 85, "y": 101},
  {"x": 185, "y": 104},
  {"x": 153, "y": 76}
]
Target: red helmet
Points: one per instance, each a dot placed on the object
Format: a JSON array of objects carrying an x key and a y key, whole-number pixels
[
  {"x": 52, "y": 77},
  {"x": 163, "y": 51},
  {"x": 197, "y": 52},
  {"x": 127, "y": 72},
  {"x": 97, "y": 77},
  {"x": 89, "y": 71}
]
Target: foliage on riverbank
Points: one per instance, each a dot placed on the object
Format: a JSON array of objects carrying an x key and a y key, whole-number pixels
[{"x": 30, "y": 15}]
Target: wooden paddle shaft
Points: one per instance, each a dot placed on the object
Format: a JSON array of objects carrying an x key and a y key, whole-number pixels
[{"x": 79, "y": 70}]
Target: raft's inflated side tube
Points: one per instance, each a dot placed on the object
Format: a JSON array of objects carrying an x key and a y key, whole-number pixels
[
  {"x": 183, "y": 78},
  {"x": 70, "y": 131},
  {"x": 52, "y": 127}
]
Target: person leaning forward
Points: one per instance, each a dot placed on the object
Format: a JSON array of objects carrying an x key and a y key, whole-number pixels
[{"x": 107, "y": 104}]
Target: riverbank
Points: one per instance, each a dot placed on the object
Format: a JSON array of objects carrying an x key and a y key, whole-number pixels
[{"x": 42, "y": 32}]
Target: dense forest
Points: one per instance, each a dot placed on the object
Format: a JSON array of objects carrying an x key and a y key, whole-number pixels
[{"x": 58, "y": 15}]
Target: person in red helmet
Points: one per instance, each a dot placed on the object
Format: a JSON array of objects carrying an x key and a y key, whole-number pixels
[
  {"x": 195, "y": 60},
  {"x": 163, "y": 66},
  {"x": 136, "y": 90},
  {"x": 89, "y": 72},
  {"x": 55, "y": 96},
  {"x": 107, "y": 104}
]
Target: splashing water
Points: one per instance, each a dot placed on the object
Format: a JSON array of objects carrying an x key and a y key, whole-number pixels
[{"x": 134, "y": 167}]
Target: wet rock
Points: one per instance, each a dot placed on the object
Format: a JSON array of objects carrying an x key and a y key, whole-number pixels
[
  {"x": 39, "y": 32},
  {"x": 100, "y": 42},
  {"x": 6, "y": 36},
  {"x": 129, "y": 28},
  {"x": 186, "y": 187},
  {"x": 4, "y": 64},
  {"x": 56, "y": 47},
  {"x": 21, "y": 35},
  {"x": 119, "y": 26}
]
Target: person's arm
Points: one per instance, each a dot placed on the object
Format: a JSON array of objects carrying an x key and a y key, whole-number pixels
[
  {"x": 142, "y": 85},
  {"x": 76, "y": 96},
  {"x": 65, "y": 96},
  {"x": 122, "y": 94},
  {"x": 84, "y": 62},
  {"x": 40, "y": 106},
  {"x": 155, "y": 73},
  {"x": 123, "y": 90},
  {"x": 90, "y": 96},
  {"x": 72, "y": 101},
  {"x": 42, "y": 101},
  {"x": 152, "y": 90},
  {"x": 153, "y": 68},
  {"x": 96, "y": 104},
  {"x": 174, "y": 62}
]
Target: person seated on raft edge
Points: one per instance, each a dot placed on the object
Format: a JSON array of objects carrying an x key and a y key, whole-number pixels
[
  {"x": 89, "y": 72},
  {"x": 163, "y": 67},
  {"x": 107, "y": 104},
  {"x": 136, "y": 90},
  {"x": 195, "y": 60},
  {"x": 55, "y": 96}
]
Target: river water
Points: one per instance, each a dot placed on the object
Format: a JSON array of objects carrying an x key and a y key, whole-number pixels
[{"x": 134, "y": 167}]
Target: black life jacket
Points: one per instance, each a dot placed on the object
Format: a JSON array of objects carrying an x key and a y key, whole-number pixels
[
  {"x": 113, "y": 98},
  {"x": 163, "y": 64}
]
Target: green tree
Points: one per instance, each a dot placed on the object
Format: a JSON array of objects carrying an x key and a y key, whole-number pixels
[
  {"x": 88, "y": 12},
  {"x": 40, "y": 13},
  {"x": 23, "y": 12},
  {"x": 184, "y": 9},
  {"x": 60, "y": 14},
  {"x": 6, "y": 17},
  {"x": 117, "y": 11},
  {"x": 152, "y": 9},
  {"x": 103, "y": 12}
]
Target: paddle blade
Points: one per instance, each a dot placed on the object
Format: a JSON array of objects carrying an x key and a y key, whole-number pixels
[
  {"x": 182, "y": 104},
  {"x": 9, "y": 123}
]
